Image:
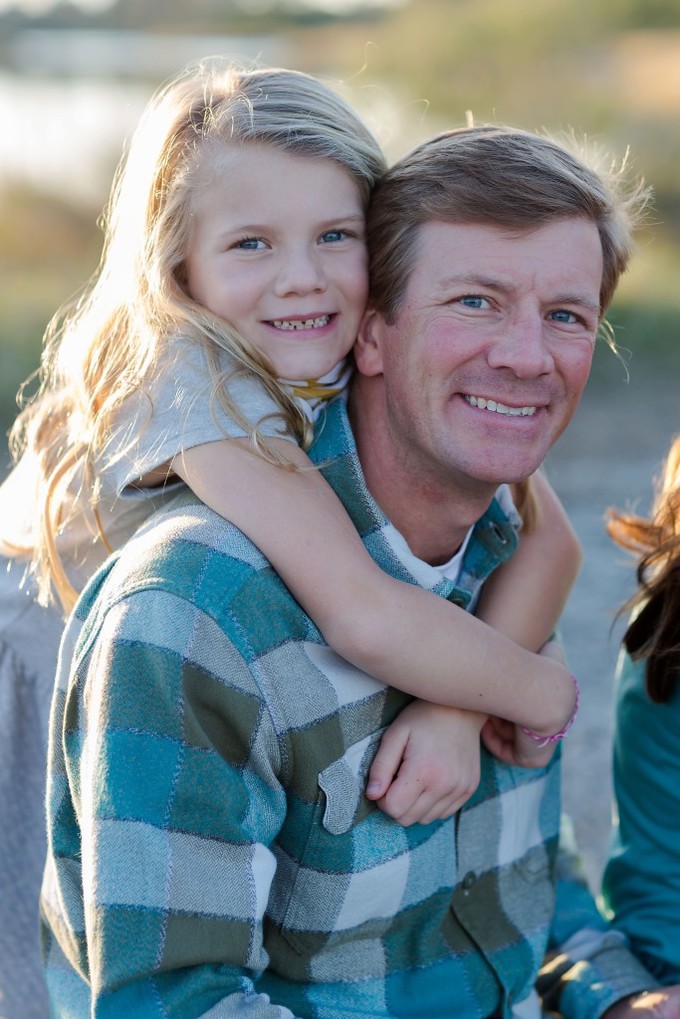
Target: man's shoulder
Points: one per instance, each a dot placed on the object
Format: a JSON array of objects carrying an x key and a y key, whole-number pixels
[
  {"x": 186, "y": 530},
  {"x": 187, "y": 575},
  {"x": 185, "y": 550}
]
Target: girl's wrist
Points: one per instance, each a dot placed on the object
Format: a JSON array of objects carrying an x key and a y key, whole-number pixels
[{"x": 541, "y": 738}]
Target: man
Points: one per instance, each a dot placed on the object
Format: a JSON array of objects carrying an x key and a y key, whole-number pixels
[{"x": 211, "y": 851}]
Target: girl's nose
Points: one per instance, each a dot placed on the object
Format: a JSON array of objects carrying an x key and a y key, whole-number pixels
[{"x": 300, "y": 273}]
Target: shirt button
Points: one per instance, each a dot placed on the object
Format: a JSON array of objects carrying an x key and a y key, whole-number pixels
[{"x": 469, "y": 880}]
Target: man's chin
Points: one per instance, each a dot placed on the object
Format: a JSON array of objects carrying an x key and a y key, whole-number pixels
[{"x": 508, "y": 470}]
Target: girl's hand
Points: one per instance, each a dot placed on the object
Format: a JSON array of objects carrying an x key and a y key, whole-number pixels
[
  {"x": 427, "y": 765},
  {"x": 509, "y": 744}
]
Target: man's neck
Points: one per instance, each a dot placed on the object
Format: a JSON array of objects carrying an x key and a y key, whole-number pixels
[{"x": 432, "y": 514}]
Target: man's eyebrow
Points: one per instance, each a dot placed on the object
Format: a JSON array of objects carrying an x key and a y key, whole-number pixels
[
  {"x": 580, "y": 299},
  {"x": 473, "y": 280}
]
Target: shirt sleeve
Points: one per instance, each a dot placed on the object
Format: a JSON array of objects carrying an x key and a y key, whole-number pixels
[
  {"x": 590, "y": 965},
  {"x": 177, "y": 409},
  {"x": 161, "y": 863}
]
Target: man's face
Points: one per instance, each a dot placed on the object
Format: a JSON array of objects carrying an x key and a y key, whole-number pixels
[{"x": 491, "y": 349}]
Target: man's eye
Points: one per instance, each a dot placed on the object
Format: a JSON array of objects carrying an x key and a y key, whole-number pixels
[
  {"x": 474, "y": 301},
  {"x": 567, "y": 317}
]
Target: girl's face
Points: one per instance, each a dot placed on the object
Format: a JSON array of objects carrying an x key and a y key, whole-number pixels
[{"x": 278, "y": 250}]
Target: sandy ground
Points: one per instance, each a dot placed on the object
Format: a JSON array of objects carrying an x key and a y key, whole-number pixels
[{"x": 613, "y": 448}]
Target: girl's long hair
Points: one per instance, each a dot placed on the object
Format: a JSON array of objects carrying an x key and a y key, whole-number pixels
[
  {"x": 101, "y": 347},
  {"x": 653, "y": 635}
]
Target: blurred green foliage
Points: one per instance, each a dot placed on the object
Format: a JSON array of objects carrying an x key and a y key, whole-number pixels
[
  {"x": 48, "y": 249},
  {"x": 609, "y": 69}
]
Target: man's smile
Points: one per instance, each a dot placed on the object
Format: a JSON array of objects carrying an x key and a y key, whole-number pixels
[{"x": 499, "y": 408}]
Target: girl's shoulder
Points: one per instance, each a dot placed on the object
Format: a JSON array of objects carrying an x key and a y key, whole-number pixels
[{"x": 191, "y": 397}]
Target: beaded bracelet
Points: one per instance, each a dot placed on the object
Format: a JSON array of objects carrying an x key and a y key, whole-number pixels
[{"x": 543, "y": 741}]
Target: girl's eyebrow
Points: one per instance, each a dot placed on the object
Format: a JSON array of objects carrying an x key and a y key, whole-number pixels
[
  {"x": 260, "y": 228},
  {"x": 243, "y": 228},
  {"x": 349, "y": 217}
]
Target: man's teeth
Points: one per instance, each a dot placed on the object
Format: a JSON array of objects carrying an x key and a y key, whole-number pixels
[
  {"x": 301, "y": 323},
  {"x": 500, "y": 408}
]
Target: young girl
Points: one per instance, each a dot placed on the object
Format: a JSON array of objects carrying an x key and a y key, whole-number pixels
[
  {"x": 230, "y": 292},
  {"x": 641, "y": 883}
]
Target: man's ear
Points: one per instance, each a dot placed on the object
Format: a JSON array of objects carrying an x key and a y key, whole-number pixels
[{"x": 368, "y": 345}]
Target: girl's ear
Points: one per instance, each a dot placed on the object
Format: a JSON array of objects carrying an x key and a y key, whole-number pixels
[{"x": 368, "y": 345}]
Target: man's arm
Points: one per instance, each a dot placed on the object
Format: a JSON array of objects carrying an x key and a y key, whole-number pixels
[{"x": 164, "y": 826}]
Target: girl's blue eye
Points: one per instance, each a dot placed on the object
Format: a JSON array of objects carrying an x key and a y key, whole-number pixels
[
  {"x": 333, "y": 235},
  {"x": 249, "y": 244}
]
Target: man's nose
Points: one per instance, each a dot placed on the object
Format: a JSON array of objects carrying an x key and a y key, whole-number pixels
[
  {"x": 300, "y": 272},
  {"x": 521, "y": 345}
]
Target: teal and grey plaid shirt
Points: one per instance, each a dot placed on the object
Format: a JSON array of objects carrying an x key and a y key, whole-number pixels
[{"x": 211, "y": 850}]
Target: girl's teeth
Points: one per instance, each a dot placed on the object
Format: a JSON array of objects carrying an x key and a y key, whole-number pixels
[
  {"x": 499, "y": 408},
  {"x": 302, "y": 323}
]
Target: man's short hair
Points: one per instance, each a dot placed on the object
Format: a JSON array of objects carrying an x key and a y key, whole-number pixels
[{"x": 495, "y": 176}]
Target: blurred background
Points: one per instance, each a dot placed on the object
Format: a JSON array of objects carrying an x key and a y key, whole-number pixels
[{"x": 74, "y": 77}]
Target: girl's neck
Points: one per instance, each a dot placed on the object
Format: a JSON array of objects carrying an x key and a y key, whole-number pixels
[{"x": 312, "y": 394}]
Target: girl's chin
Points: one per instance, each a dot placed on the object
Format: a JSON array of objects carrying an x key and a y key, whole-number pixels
[{"x": 310, "y": 370}]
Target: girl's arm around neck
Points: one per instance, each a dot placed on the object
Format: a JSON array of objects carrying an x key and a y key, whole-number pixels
[
  {"x": 525, "y": 597},
  {"x": 398, "y": 633}
]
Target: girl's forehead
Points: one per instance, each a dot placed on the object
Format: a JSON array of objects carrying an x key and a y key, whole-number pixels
[
  {"x": 265, "y": 184},
  {"x": 218, "y": 162},
  {"x": 225, "y": 154}
]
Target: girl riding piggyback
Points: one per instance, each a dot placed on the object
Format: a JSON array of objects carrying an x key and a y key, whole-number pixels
[{"x": 221, "y": 322}]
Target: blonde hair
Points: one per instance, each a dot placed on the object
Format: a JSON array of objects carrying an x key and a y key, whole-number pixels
[
  {"x": 100, "y": 348},
  {"x": 653, "y": 635}
]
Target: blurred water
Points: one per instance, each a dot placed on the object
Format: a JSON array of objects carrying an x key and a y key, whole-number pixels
[
  {"x": 64, "y": 135},
  {"x": 68, "y": 99}
]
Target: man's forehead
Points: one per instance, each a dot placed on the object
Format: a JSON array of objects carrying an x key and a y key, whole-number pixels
[
  {"x": 449, "y": 228},
  {"x": 568, "y": 250}
]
